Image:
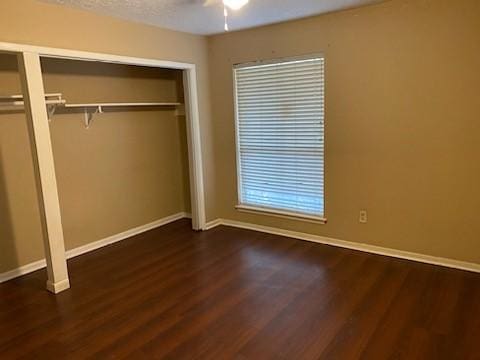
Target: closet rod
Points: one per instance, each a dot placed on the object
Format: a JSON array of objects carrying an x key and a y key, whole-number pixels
[
  {"x": 21, "y": 103},
  {"x": 54, "y": 100},
  {"x": 17, "y": 100},
  {"x": 126, "y": 104},
  {"x": 8, "y": 97}
]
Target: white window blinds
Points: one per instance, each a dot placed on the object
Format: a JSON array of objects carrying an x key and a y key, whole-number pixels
[{"x": 280, "y": 135}]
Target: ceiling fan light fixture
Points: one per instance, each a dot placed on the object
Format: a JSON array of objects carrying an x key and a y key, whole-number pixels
[{"x": 235, "y": 4}]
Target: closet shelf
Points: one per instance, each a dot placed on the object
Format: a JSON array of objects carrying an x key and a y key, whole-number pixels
[
  {"x": 54, "y": 100},
  {"x": 97, "y": 105},
  {"x": 11, "y": 102},
  {"x": 97, "y": 108}
]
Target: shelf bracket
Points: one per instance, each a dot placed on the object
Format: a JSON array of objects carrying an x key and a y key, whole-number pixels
[
  {"x": 89, "y": 116},
  {"x": 88, "y": 119},
  {"x": 51, "y": 111}
]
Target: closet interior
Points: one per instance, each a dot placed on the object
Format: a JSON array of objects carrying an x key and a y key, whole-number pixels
[{"x": 119, "y": 142}]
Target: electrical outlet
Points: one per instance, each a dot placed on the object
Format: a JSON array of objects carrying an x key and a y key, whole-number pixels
[{"x": 363, "y": 218}]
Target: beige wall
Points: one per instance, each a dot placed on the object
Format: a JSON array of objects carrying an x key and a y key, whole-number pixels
[
  {"x": 402, "y": 122},
  {"x": 130, "y": 167},
  {"x": 20, "y": 228}
]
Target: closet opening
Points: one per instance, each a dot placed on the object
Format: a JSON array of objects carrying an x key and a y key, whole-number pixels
[
  {"x": 120, "y": 146},
  {"x": 115, "y": 143}
]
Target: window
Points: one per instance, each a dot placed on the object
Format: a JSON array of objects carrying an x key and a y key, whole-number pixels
[{"x": 280, "y": 137}]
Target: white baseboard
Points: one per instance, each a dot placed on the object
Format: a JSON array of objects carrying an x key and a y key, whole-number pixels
[
  {"x": 124, "y": 235},
  {"x": 456, "y": 264},
  {"x": 214, "y": 223},
  {"x": 22, "y": 270},
  {"x": 37, "y": 265},
  {"x": 451, "y": 263}
]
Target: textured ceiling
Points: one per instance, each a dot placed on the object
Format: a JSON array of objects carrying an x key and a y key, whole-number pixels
[{"x": 191, "y": 16}]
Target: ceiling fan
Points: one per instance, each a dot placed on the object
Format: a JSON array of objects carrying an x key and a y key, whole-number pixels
[{"x": 227, "y": 4}]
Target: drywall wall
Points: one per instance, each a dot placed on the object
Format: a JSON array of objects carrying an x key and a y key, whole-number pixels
[{"x": 402, "y": 122}]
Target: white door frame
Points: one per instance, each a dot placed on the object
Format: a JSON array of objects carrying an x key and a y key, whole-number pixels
[{"x": 35, "y": 109}]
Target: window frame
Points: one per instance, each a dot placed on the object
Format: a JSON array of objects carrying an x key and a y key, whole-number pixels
[{"x": 255, "y": 208}]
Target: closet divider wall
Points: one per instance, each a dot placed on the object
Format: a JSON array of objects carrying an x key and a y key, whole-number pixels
[
  {"x": 124, "y": 148},
  {"x": 20, "y": 227}
]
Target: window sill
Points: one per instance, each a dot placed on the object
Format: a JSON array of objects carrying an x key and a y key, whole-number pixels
[{"x": 281, "y": 214}]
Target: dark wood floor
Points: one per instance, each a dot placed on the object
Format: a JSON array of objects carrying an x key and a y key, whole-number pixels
[{"x": 237, "y": 294}]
